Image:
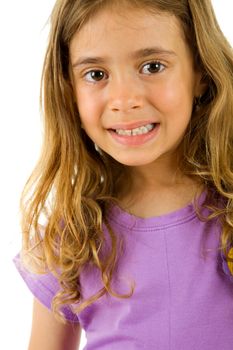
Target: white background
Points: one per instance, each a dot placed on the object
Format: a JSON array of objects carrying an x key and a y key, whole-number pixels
[{"x": 23, "y": 34}]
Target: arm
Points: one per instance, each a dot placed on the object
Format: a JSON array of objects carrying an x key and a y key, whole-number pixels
[{"x": 49, "y": 334}]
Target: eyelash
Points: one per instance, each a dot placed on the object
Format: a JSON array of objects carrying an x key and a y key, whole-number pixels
[{"x": 100, "y": 71}]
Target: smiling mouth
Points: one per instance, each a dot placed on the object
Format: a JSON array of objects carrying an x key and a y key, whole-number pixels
[{"x": 144, "y": 129}]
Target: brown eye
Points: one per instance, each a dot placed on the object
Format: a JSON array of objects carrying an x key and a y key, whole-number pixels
[
  {"x": 94, "y": 75},
  {"x": 153, "y": 67}
]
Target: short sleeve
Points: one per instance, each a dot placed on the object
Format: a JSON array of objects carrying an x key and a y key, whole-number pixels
[
  {"x": 225, "y": 266},
  {"x": 43, "y": 287}
]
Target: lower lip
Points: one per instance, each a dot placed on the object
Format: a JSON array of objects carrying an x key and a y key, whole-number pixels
[{"x": 135, "y": 140}]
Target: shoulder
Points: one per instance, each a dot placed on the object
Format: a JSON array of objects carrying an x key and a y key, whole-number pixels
[{"x": 43, "y": 286}]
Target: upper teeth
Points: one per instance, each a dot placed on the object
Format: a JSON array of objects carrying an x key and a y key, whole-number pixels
[{"x": 137, "y": 131}]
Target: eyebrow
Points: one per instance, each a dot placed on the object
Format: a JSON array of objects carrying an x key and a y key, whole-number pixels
[{"x": 142, "y": 53}]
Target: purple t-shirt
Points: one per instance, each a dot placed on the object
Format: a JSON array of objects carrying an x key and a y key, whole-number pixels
[{"x": 183, "y": 296}]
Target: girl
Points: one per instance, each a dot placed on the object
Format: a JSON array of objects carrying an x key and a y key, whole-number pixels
[{"x": 128, "y": 217}]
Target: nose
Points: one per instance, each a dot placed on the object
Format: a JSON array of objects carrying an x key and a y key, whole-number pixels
[{"x": 125, "y": 95}]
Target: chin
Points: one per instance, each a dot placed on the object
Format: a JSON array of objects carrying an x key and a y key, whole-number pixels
[{"x": 130, "y": 161}]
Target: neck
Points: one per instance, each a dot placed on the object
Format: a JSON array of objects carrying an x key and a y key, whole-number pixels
[
  {"x": 164, "y": 173},
  {"x": 157, "y": 188},
  {"x": 155, "y": 176}
]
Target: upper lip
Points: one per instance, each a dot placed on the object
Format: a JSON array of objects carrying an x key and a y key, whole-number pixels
[{"x": 132, "y": 125}]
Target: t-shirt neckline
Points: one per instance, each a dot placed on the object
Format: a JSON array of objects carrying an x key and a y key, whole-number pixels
[{"x": 179, "y": 216}]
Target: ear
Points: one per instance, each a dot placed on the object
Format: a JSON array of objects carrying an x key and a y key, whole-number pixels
[{"x": 201, "y": 84}]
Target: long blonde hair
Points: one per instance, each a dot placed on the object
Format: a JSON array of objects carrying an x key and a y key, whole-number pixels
[{"x": 73, "y": 184}]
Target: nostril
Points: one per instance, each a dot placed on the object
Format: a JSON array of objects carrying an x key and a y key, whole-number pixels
[{"x": 125, "y": 104}]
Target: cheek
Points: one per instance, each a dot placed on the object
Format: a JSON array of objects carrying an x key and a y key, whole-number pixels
[
  {"x": 89, "y": 106},
  {"x": 172, "y": 96}
]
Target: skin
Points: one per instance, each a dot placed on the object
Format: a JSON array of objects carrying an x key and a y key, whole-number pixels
[
  {"x": 121, "y": 88},
  {"x": 50, "y": 334}
]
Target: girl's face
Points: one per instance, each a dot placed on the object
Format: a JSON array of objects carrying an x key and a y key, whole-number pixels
[{"x": 134, "y": 83}]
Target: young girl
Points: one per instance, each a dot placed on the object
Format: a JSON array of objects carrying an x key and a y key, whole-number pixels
[{"x": 128, "y": 217}]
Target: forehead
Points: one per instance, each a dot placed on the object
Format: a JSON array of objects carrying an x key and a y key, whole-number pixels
[{"x": 118, "y": 32}]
